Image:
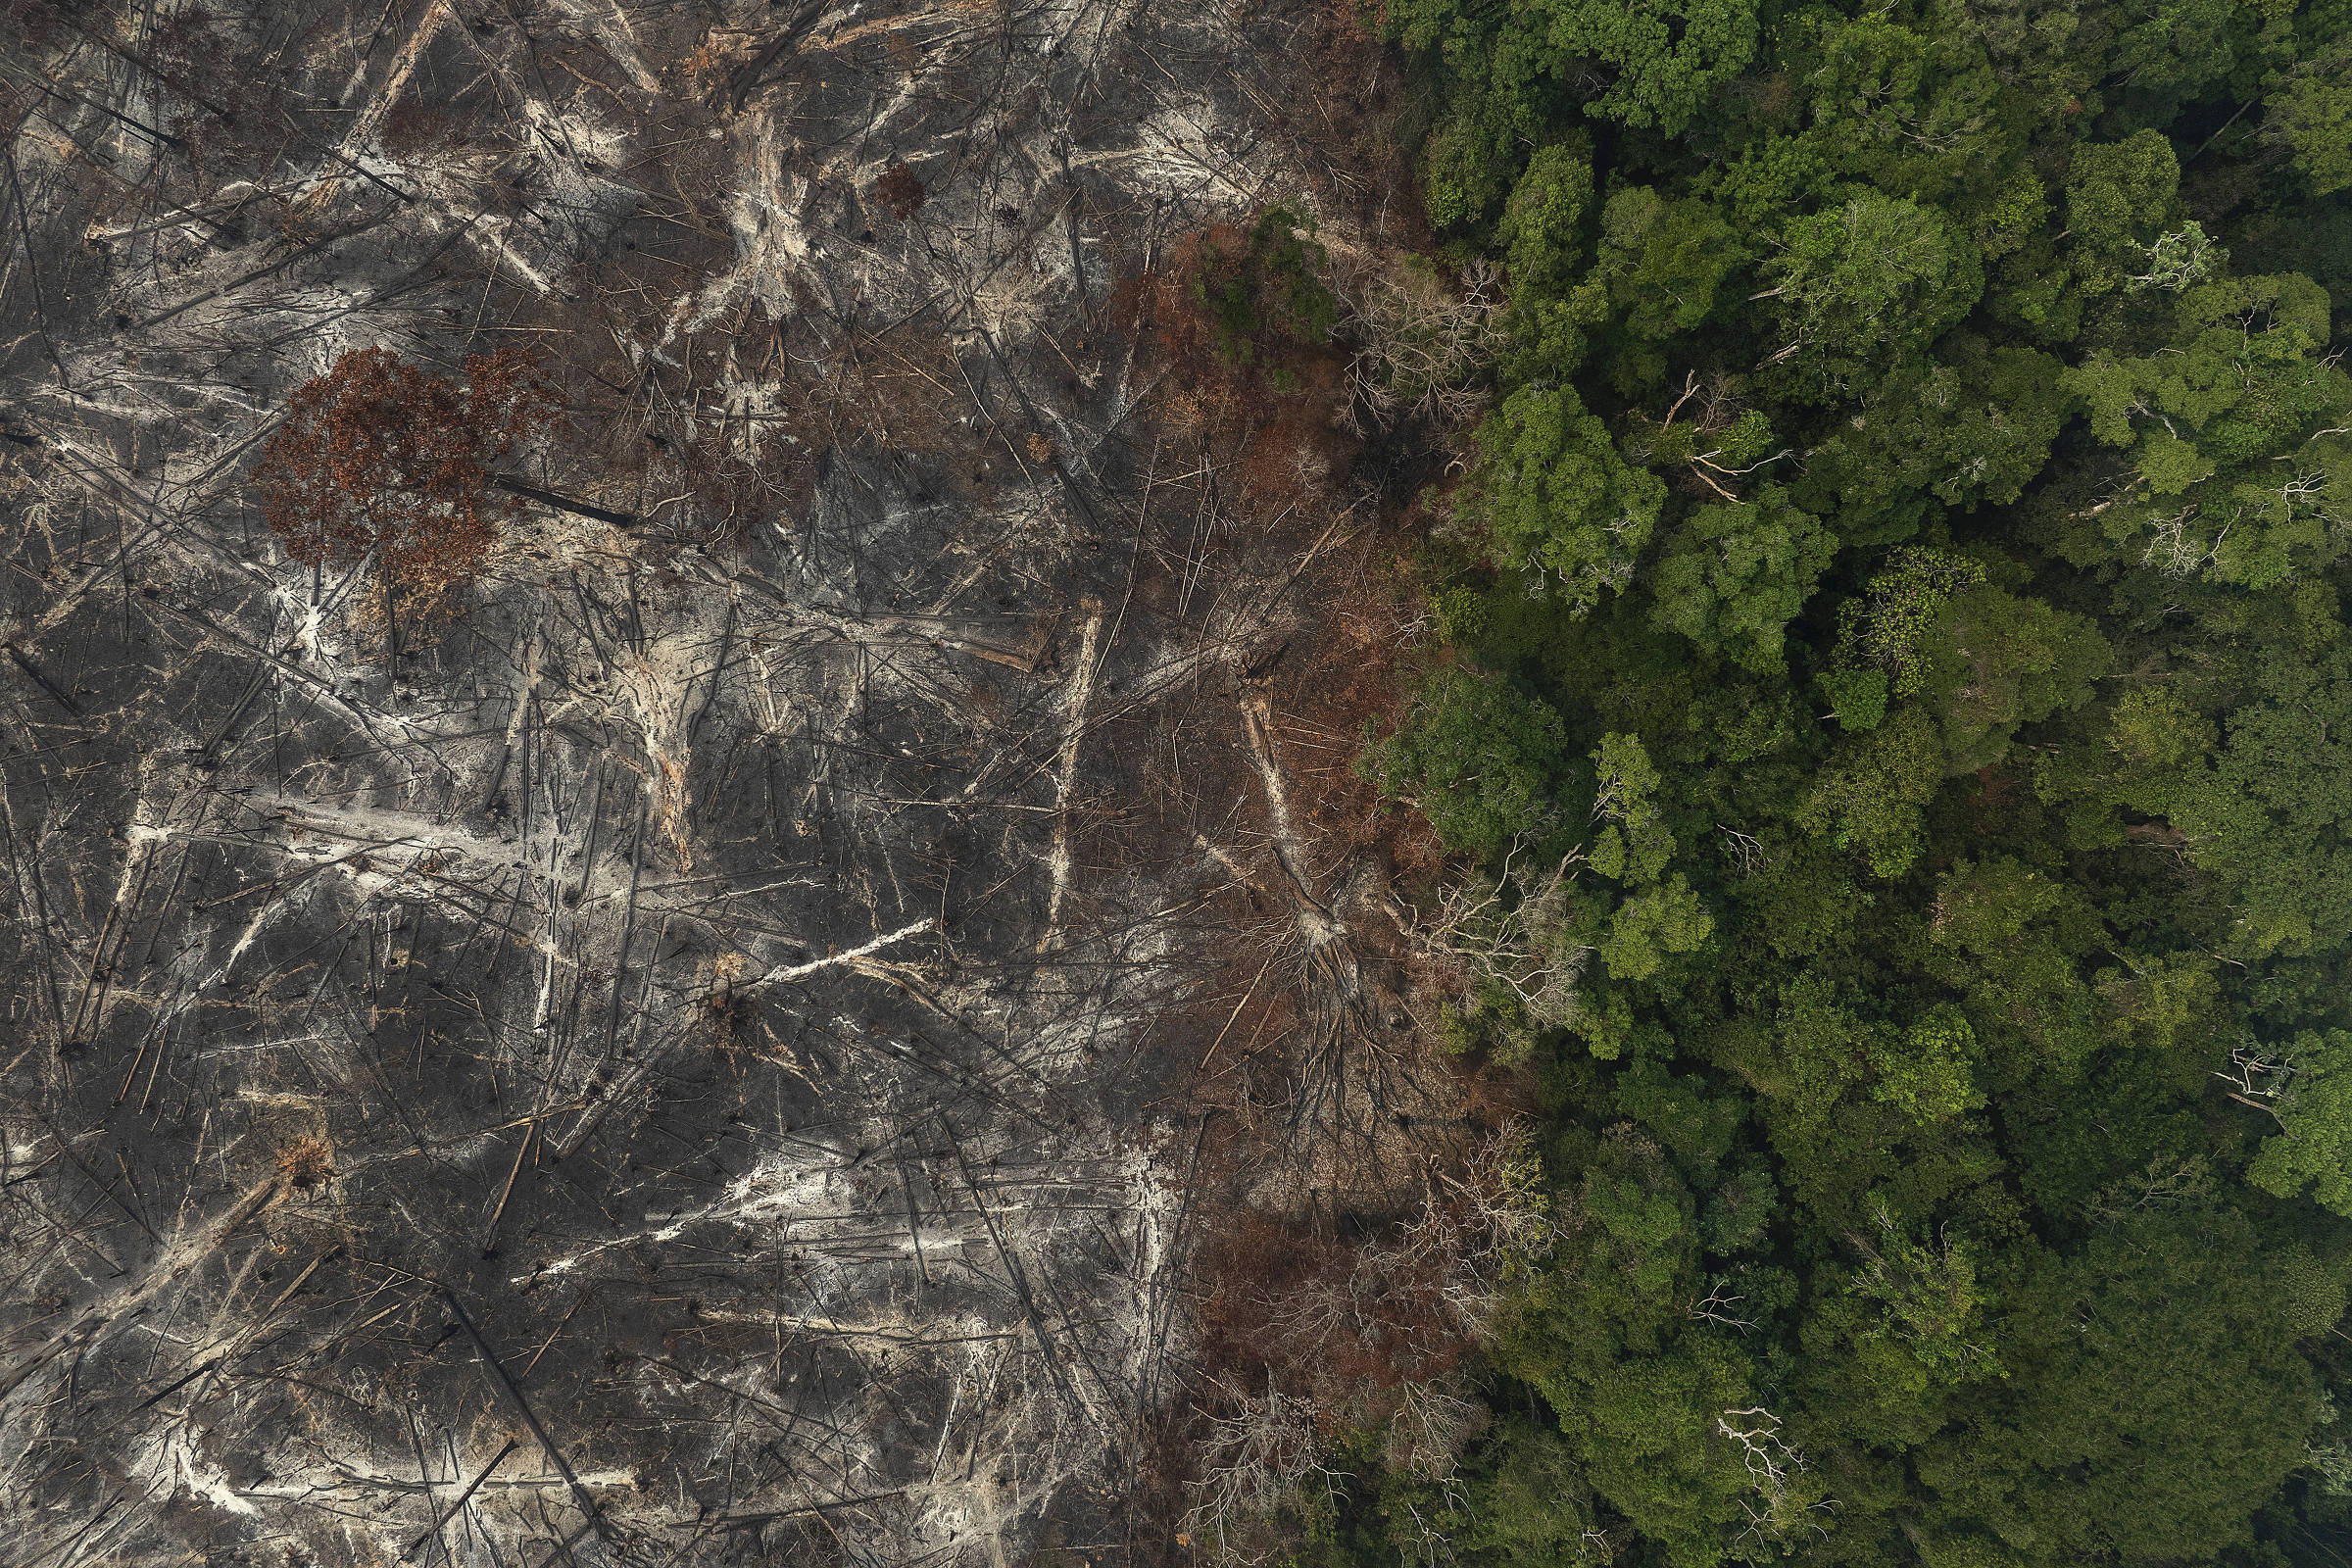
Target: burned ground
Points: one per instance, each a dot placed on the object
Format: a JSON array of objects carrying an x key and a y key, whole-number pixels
[{"x": 694, "y": 1054}]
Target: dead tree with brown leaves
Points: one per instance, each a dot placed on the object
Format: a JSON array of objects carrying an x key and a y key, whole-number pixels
[{"x": 382, "y": 461}]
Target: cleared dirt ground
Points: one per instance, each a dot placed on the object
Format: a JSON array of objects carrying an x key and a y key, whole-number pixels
[{"x": 700, "y": 1058}]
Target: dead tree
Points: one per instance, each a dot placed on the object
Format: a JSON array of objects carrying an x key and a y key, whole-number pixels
[{"x": 382, "y": 461}]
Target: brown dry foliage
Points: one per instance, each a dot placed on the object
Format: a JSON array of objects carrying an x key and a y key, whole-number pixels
[
  {"x": 378, "y": 458},
  {"x": 1346, "y": 1327},
  {"x": 902, "y": 190},
  {"x": 34, "y": 21},
  {"x": 1279, "y": 425},
  {"x": 412, "y": 131},
  {"x": 732, "y": 472},
  {"x": 1307, "y": 1340},
  {"x": 306, "y": 1162},
  {"x": 226, "y": 110},
  {"x": 825, "y": 390},
  {"x": 905, "y": 51}
]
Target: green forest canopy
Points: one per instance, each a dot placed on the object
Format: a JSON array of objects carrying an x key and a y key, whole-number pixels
[{"x": 1901, "y": 575}]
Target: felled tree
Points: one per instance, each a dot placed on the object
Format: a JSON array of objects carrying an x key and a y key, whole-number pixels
[{"x": 383, "y": 460}]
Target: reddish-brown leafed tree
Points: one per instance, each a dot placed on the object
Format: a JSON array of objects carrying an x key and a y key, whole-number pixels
[
  {"x": 903, "y": 189},
  {"x": 381, "y": 459}
]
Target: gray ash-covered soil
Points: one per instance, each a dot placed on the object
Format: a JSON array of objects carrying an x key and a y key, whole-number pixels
[{"x": 687, "y": 1063}]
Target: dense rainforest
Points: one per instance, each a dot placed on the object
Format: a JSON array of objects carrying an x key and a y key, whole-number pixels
[{"x": 1892, "y": 681}]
